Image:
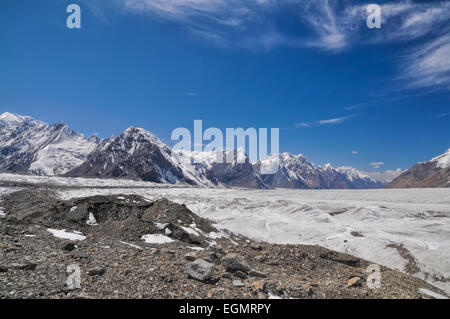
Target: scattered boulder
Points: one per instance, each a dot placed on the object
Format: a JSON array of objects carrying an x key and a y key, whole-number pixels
[
  {"x": 354, "y": 282},
  {"x": 260, "y": 258},
  {"x": 255, "y": 273},
  {"x": 240, "y": 274},
  {"x": 26, "y": 266},
  {"x": 257, "y": 285},
  {"x": 69, "y": 246},
  {"x": 356, "y": 234},
  {"x": 190, "y": 256},
  {"x": 339, "y": 257},
  {"x": 200, "y": 270},
  {"x": 233, "y": 262},
  {"x": 97, "y": 271},
  {"x": 227, "y": 275},
  {"x": 3, "y": 268},
  {"x": 256, "y": 246},
  {"x": 218, "y": 249}
]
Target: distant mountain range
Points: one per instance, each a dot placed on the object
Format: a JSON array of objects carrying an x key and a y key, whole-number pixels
[
  {"x": 28, "y": 145},
  {"x": 434, "y": 173},
  {"x": 35, "y": 147}
]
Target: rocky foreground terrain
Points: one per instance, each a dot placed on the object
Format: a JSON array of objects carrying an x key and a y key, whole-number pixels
[{"x": 128, "y": 247}]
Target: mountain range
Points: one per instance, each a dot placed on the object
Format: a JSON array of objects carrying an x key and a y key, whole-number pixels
[
  {"x": 434, "y": 173},
  {"x": 34, "y": 147}
]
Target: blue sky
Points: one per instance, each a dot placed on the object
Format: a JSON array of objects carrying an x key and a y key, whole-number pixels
[{"x": 338, "y": 91}]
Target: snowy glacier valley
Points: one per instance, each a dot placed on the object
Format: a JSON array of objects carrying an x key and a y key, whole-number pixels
[{"x": 404, "y": 229}]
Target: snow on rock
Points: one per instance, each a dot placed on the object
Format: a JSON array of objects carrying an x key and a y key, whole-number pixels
[
  {"x": 431, "y": 294},
  {"x": 157, "y": 239},
  {"x": 197, "y": 248},
  {"x": 443, "y": 161},
  {"x": 161, "y": 226},
  {"x": 190, "y": 231},
  {"x": 131, "y": 245},
  {"x": 62, "y": 233}
]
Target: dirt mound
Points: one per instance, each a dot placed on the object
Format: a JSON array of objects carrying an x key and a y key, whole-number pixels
[{"x": 127, "y": 217}]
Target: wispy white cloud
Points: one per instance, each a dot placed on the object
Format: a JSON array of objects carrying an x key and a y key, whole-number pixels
[
  {"x": 302, "y": 124},
  {"x": 438, "y": 116},
  {"x": 336, "y": 120},
  {"x": 429, "y": 65},
  {"x": 321, "y": 17},
  {"x": 325, "y": 24},
  {"x": 354, "y": 152},
  {"x": 376, "y": 164},
  {"x": 333, "y": 24}
]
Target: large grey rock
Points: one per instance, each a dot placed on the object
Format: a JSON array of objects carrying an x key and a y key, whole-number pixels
[
  {"x": 234, "y": 262},
  {"x": 200, "y": 270}
]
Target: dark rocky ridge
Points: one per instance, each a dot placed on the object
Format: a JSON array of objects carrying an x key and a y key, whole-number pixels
[
  {"x": 135, "y": 154},
  {"x": 423, "y": 175}
]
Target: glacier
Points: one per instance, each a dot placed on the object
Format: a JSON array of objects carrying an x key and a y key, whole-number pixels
[{"x": 379, "y": 225}]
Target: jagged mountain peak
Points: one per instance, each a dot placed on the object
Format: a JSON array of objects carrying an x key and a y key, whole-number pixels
[
  {"x": 140, "y": 134},
  {"x": 41, "y": 148},
  {"x": 443, "y": 160},
  {"x": 15, "y": 120},
  {"x": 326, "y": 167},
  {"x": 29, "y": 145}
]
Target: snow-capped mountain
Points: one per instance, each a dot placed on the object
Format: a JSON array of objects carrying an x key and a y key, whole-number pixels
[
  {"x": 140, "y": 155},
  {"x": 31, "y": 146},
  {"x": 295, "y": 171},
  {"x": 355, "y": 179},
  {"x": 434, "y": 173},
  {"x": 239, "y": 172},
  {"x": 28, "y": 145},
  {"x": 225, "y": 168}
]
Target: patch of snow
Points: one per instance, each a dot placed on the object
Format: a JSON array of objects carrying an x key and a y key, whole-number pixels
[
  {"x": 161, "y": 226},
  {"x": 443, "y": 161},
  {"x": 431, "y": 293},
  {"x": 197, "y": 248},
  {"x": 190, "y": 231},
  {"x": 131, "y": 245},
  {"x": 157, "y": 239},
  {"x": 61, "y": 233},
  {"x": 271, "y": 296}
]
